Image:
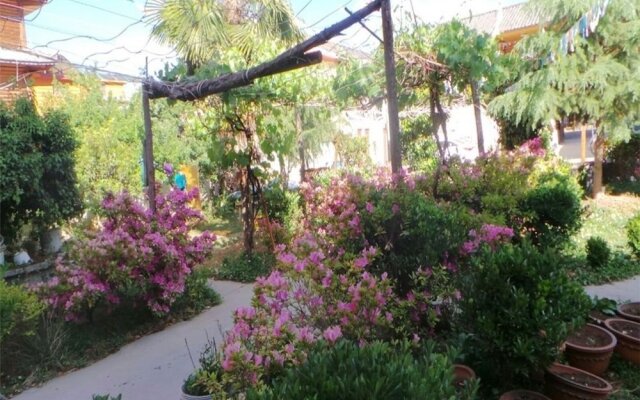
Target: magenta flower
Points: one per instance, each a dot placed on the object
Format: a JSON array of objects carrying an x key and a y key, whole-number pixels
[{"x": 332, "y": 333}]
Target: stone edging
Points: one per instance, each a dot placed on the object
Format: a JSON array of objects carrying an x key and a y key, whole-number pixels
[{"x": 16, "y": 272}]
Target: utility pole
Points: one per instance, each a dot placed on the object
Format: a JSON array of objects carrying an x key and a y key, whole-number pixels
[
  {"x": 392, "y": 92},
  {"x": 149, "y": 170}
]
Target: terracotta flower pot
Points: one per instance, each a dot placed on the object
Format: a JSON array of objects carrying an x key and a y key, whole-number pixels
[
  {"x": 568, "y": 383},
  {"x": 590, "y": 349},
  {"x": 628, "y": 335},
  {"x": 523, "y": 395},
  {"x": 630, "y": 311},
  {"x": 462, "y": 374}
]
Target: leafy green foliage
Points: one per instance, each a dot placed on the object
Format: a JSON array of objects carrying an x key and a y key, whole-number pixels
[
  {"x": 419, "y": 148},
  {"x": 555, "y": 210},
  {"x": 106, "y": 397},
  {"x": 109, "y": 138},
  {"x": 199, "y": 29},
  {"x": 374, "y": 371},
  {"x": 598, "y": 252},
  {"x": 246, "y": 268},
  {"x": 518, "y": 307},
  {"x": 37, "y": 179},
  {"x": 623, "y": 161},
  {"x": 20, "y": 312},
  {"x": 596, "y": 83},
  {"x": 633, "y": 234},
  {"x": 353, "y": 152},
  {"x": 197, "y": 295}
]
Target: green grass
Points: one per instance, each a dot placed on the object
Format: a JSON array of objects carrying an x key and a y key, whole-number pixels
[
  {"x": 605, "y": 218},
  {"x": 241, "y": 268}
]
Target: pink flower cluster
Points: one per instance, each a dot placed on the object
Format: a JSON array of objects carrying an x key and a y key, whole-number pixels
[
  {"x": 311, "y": 297},
  {"x": 533, "y": 147},
  {"x": 491, "y": 235},
  {"x": 136, "y": 255}
]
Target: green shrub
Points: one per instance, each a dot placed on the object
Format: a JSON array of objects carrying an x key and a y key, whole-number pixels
[
  {"x": 197, "y": 295},
  {"x": 554, "y": 210},
  {"x": 518, "y": 307},
  {"x": 408, "y": 238},
  {"x": 246, "y": 268},
  {"x": 598, "y": 252},
  {"x": 20, "y": 311},
  {"x": 377, "y": 371},
  {"x": 624, "y": 160},
  {"x": 37, "y": 178},
  {"x": 633, "y": 234}
]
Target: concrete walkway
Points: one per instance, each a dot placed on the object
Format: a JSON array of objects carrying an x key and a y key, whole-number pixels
[
  {"x": 153, "y": 367},
  {"x": 623, "y": 291}
]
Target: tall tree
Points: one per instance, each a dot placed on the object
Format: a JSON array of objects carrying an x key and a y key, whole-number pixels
[
  {"x": 199, "y": 28},
  {"x": 597, "y": 81},
  {"x": 471, "y": 58},
  {"x": 236, "y": 34}
]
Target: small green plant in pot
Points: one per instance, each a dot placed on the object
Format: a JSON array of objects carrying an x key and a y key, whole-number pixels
[
  {"x": 519, "y": 307},
  {"x": 206, "y": 382}
]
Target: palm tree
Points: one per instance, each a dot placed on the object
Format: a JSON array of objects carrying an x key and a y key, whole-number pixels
[{"x": 199, "y": 28}]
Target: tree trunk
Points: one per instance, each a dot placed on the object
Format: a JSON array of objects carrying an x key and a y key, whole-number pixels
[
  {"x": 248, "y": 183},
  {"x": 560, "y": 130},
  {"x": 475, "y": 95},
  {"x": 284, "y": 173},
  {"x": 303, "y": 162},
  {"x": 597, "y": 165}
]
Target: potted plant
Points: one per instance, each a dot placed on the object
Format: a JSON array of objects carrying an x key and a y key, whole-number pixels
[
  {"x": 628, "y": 335},
  {"x": 568, "y": 383},
  {"x": 630, "y": 311},
  {"x": 205, "y": 383},
  {"x": 523, "y": 395},
  {"x": 590, "y": 349},
  {"x": 462, "y": 374}
]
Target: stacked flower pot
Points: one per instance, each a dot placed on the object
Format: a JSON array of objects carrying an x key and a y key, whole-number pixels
[{"x": 589, "y": 351}]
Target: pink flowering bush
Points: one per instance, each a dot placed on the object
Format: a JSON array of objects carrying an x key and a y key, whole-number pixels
[
  {"x": 311, "y": 298},
  {"x": 376, "y": 260},
  {"x": 136, "y": 256},
  {"x": 491, "y": 235}
]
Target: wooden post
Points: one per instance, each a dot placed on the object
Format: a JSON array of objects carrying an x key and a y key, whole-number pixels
[
  {"x": 477, "y": 110},
  {"x": 583, "y": 144},
  {"x": 148, "y": 150},
  {"x": 392, "y": 93}
]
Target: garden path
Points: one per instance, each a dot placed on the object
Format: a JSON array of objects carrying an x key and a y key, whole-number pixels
[
  {"x": 628, "y": 290},
  {"x": 152, "y": 367}
]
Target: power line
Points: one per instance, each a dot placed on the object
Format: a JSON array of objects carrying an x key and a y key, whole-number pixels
[
  {"x": 328, "y": 15},
  {"x": 76, "y": 36},
  {"x": 104, "y": 9},
  {"x": 303, "y": 8}
]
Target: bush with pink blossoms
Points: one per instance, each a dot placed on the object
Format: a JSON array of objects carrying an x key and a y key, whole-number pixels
[
  {"x": 136, "y": 257},
  {"x": 311, "y": 297}
]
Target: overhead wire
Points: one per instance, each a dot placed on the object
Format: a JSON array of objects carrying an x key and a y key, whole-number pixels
[
  {"x": 328, "y": 15},
  {"x": 104, "y": 9}
]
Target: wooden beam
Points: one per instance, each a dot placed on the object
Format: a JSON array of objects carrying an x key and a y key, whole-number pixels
[
  {"x": 583, "y": 144},
  {"x": 295, "y": 57},
  {"x": 392, "y": 91}
]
